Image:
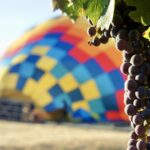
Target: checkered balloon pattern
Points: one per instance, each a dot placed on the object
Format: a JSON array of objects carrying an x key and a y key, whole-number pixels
[{"x": 53, "y": 65}]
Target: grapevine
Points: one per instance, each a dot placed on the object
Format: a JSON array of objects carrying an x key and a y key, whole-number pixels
[{"x": 126, "y": 23}]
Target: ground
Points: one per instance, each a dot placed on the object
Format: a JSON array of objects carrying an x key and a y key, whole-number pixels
[{"x": 52, "y": 136}]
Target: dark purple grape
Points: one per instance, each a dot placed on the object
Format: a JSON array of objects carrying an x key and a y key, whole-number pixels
[
  {"x": 137, "y": 60},
  {"x": 117, "y": 20},
  {"x": 96, "y": 41},
  {"x": 133, "y": 135},
  {"x": 132, "y": 142},
  {"x": 91, "y": 31},
  {"x": 137, "y": 119},
  {"x": 134, "y": 35},
  {"x": 124, "y": 67},
  {"x": 131, "y": 85},
  {"x": 127, "y": 100},
  {"x": 121, "y": 44},
  {"x": 104, "y": 39},
  {"x": 146, "y": 114},
  {"x": 141, "y": 92},
  {"x": 140, "y": 130},
  {"x": 141, "y": 145},
  {"x": 133, "y": 70},
  {"x": 130, "y": 110},
  {"x": 138, "y": 103},
  {"x": 145, "y": 68},
  {"x": 138, "y": 46},
  {"x": 141, "y": 78},
  {"x": 122, "y": 34}
]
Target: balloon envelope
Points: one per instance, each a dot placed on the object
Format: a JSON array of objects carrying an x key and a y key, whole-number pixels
[{"x": 53, "y": 66}]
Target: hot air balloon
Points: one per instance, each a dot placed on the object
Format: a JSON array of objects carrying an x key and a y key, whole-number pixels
[{"x": 53, "y": 67}]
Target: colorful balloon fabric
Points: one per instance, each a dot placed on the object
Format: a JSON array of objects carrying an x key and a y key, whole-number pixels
[{"x": 53, "y": 66}]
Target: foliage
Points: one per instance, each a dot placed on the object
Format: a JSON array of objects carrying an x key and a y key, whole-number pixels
[
  {"x": 142, "y": 12},
  {"x": 94, "y": 9}
]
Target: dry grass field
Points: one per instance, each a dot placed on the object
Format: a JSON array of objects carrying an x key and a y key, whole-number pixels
[{"x": 52, "y": 136}]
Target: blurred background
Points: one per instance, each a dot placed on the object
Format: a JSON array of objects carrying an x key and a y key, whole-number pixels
[
  {"x": 18, "y": 16},
  {"x": 53, "y": 85}
]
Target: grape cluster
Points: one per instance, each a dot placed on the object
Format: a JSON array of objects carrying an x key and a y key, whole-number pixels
[
  {"x": 98, "y": 36},
  {"x": 128, "y": 37}
]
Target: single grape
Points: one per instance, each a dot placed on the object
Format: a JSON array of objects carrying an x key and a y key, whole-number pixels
[
  {"x": 132, "y": 142},
  {"x": 138, "y": 46},
  {"x": 96, "y": 41},
  {"x": 122, "y": 34},
  {"x": 145, "y": 69},
  {"x": 140, "y": 130},
  {"x": 141, "y": 92},
  {"x": 124, "y": 67},
  {"x": 127, "y": 100},
  {"x": 91, "y": 31},
  {"x": 137, "y": 60},
  {"x": 104, "y": 39},
  {"x": 130, "y": 85},
  {"x": 134, "y": 35},
  {"x": 141, "y": 145},
  {"x": 137, "y": 119},
  {"x": 138, "y": 103},
  {"x": 130, "y": 110},
  {"x": 146, "y": 114},
  {"x": 133, "y": 70},
  {"x": 121, "y": 44},
  {"x": 141, "y": 78},
  {"x": 133, "y": 135}
]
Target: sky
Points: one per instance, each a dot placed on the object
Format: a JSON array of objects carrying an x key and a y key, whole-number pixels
[{"x": 17, "y": 16}]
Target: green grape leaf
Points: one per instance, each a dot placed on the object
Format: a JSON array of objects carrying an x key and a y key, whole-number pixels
[
  {"x": 75, "y": 8},
  {"x": 142, "y": 12},
  {"x": 147, "y": 34}
]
